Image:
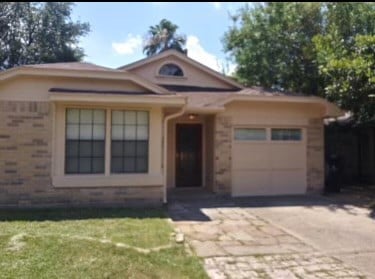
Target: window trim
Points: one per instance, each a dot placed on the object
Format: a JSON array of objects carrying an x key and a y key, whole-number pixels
[
  {"x": 171, "y": 65},
  {"x": 287, "y": 140},
  {"x": 250, "y": 140},
  {"x": 107, "y": 141},
  {"x": 79, "y": 141},
  {"x": 157, "y": 75},
  {"x": 135, "y": 157},
  {"x": 153, "y": 178},
  {"x": 268, "y": 129}
]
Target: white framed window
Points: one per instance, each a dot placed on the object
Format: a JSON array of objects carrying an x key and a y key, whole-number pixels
[
  {"x": 84, "y": 141},
  {"x": 250, "y": 134},
  {"x": 129, "y": 141},
  {"x": 286, "y": 134}
]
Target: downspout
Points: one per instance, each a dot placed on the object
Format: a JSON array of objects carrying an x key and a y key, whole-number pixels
[{"x": 169, "y": 117}]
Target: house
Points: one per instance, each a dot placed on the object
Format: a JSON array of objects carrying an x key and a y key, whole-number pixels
[{"x": 81, "y": 134}]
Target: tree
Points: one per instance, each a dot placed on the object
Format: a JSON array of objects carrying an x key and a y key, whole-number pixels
[
  {"x": 271, "y": 45},
  {"x": 322, "y": 49},
  {"x": 350, "y": 75},
  {"x": 346, "y": 57},
  {"x": 38, "y": 32},
  {"x": 162, "y": 37}
]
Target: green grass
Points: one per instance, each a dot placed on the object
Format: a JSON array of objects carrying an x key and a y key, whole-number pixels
[{"x": 91, "y": 243}]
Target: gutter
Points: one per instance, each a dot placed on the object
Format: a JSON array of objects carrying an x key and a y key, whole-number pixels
[{"x": 166, "y": 120}]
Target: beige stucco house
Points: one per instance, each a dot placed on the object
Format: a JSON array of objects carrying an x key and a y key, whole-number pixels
[{"x": 82, "y": 134}]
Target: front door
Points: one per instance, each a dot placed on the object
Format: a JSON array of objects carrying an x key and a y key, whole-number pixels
[{"x": 188, "y": 155}]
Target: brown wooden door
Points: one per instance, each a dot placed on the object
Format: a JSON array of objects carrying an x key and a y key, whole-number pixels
[{"x": 188, "y": 155}]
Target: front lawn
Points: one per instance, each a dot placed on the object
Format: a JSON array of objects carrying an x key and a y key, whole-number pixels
[{"x": 91, "y": 243}]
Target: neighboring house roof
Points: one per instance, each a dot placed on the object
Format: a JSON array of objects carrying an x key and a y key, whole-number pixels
[{"x": 185, "y": 58}]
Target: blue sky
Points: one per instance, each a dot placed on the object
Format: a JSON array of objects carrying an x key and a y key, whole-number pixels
[{"x": 117, "y": 29}]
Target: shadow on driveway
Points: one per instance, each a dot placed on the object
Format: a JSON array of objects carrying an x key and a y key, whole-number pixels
[{"x": 189, "y": 207}]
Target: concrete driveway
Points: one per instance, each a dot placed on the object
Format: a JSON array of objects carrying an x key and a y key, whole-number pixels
[
  {"x": 279, "y": 237},
  {"x": 341, "y": 230}
]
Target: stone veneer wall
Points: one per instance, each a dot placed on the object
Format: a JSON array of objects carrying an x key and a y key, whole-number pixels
[
  {"x": 25, "y": 165},
  {"x": 223, "y": 154},
  {"x": 315, "y": 156}
]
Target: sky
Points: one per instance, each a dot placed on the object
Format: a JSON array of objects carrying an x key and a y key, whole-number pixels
[{"x": 117, "y": 30}]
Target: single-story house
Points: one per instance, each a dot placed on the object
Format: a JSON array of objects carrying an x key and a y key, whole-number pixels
[{"x": 81, "y": 134}]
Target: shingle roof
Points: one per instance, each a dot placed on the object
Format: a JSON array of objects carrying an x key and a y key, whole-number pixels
[
  {"x": 204, "y": 99},
  {"x": 211, "y": 99},
  {"x": 72, "y": 66},
  {"x": 197, "y": 97},
  {"x": 260, "y": 91}
]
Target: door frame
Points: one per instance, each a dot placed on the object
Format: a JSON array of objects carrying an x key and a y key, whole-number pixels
[{"x": 203, "y": 139}]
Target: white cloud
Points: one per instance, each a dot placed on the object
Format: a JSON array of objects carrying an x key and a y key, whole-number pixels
[
  {"x": 217, "y": 5},
  {"x": 132, "y": 44},
  {"x": 197, "y": 52},
  {"x": 231, "y": 69}
]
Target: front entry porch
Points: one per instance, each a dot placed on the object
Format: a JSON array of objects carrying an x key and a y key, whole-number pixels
[
  {"x": 190, "y": 152},
  {"x": 188, "y": 159}
]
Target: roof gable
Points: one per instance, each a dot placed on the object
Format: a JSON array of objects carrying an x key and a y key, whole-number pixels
[{"x": 195, "y": 73}]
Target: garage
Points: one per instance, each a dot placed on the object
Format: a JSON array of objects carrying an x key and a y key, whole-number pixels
[{"x": 268, "y": 161}]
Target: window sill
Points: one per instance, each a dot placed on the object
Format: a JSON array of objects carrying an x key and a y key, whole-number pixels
[
  {"x": 101, "y": 180},
  {"x": 171, "y": 77}
]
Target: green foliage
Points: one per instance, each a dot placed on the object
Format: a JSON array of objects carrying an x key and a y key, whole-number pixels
[
  {"x": 271, "y": 45},
  {"x": 324, "y": 49},
  {"x": 38, "y": 32},
  {"x": 349, "y": 74},
  {"x": 84, "y": 243},
  {"x": 346, "y": 57},
  {"x": 162, "y": 37}
]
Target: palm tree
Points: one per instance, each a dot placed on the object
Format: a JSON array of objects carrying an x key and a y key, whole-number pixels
[{"x": 162, "y": 37}]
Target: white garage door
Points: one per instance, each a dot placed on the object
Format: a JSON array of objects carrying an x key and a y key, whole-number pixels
[{"x": 268, "y": 161}]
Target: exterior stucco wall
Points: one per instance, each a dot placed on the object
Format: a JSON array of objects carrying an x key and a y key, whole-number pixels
[
  {"x": 315, "y": 155},
  {"x": 24, "y": 88},
  {"x": 26, "y": 159},
  {"x": 192, "y": 75}
]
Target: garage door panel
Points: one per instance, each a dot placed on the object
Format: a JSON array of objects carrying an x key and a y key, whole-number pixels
[
  {"x": 256, "y": 156},
  {"x": 268, "y": 168},
  {"x": 288, "y": 156},
  {"x": 258, "y": 185},
  {"x": 288, "y": 182}
]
